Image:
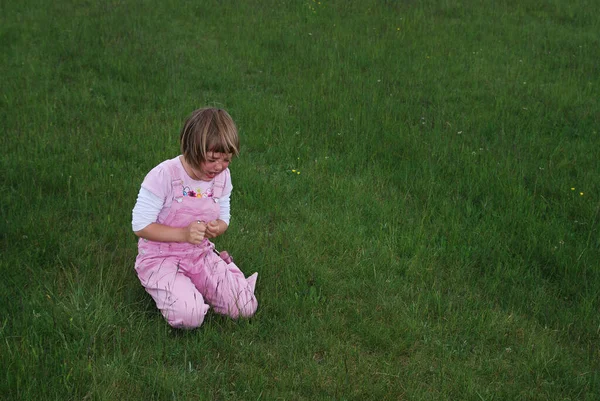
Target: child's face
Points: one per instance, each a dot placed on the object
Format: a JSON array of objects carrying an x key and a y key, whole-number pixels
[{"x": 215, "y": 163}]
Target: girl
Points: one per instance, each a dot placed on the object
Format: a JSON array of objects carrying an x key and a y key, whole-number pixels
[{"x": 184, "y": 202}]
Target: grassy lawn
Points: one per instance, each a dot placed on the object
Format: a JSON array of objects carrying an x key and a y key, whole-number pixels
[{"x": 418, "y": 189}]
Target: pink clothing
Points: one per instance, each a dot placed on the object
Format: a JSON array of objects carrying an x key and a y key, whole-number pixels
[
  {"x": 185, "y": 279},
  {"x": 159, "y": 182}
]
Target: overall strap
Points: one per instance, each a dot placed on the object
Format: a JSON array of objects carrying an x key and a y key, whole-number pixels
[
  {"x": 219, "y": 184},
  {"x": 176, "y": 181}
]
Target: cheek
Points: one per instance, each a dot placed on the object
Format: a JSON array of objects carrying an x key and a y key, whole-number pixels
[{"x": 206, "y": 166}]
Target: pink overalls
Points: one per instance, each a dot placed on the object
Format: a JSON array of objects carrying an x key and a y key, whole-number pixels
[{"x": 186, "y": 279}]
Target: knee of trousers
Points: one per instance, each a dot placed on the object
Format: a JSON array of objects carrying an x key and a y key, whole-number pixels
[{"x": 186, "y": 317}]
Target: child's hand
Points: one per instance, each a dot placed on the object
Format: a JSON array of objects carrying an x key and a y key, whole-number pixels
[
  {"x": 196, "y": 232},
  {"x": 213, "y": 229}
]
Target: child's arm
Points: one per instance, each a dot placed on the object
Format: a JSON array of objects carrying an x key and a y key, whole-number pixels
[
  {"x": 193, "y": 234},
  {"x": 215, "y": 228}
]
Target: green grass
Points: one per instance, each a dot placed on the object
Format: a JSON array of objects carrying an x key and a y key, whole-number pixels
[{"x": 431, "y": 248}]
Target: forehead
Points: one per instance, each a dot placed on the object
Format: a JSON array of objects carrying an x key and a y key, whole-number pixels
[{"x": 218, "y": 155}]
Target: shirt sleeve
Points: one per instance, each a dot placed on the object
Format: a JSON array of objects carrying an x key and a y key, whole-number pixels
[
  {"x": 158, "y": 181},
  {"x": 224, "y": 201},
  {"x": 146, "y": 209}
]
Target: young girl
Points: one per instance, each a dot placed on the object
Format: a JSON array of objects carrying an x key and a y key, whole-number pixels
[{"x": 184, "y": 202}]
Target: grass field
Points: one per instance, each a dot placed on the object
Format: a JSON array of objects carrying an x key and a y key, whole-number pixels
[{"x": 418, "y": 189}]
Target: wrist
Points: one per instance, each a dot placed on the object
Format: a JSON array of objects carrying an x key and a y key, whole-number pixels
[
  {"x": 184, "y": 235},
  {"x": 222, "y": 226}
]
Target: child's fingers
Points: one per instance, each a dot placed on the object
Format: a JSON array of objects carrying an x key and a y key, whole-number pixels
[
  {"x": 196, "y": 230},
  {"x": 198, "y": 226}
]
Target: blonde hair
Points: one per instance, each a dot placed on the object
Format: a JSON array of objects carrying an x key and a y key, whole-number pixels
[{"x": 208, "y": 130}]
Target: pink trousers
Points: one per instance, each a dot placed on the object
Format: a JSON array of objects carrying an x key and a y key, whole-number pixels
[{"x": 185, "y": 280}]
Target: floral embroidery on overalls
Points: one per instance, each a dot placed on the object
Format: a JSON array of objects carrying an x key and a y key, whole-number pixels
[{"x": 187, "y": 191}]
